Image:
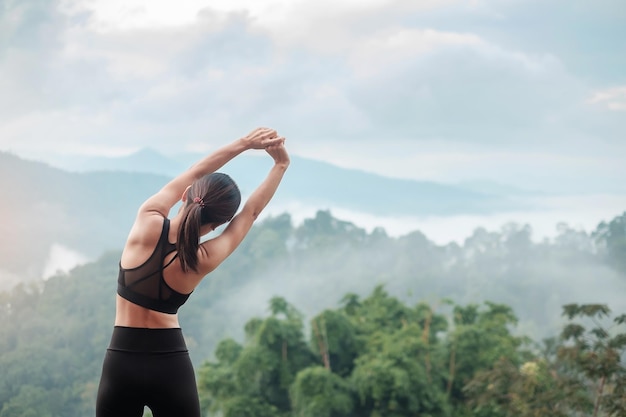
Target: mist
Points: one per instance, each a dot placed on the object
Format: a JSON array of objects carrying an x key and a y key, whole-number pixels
[
  {"x": 62, "y": 259},
  {"x": 506, "y": 264},
  {"x": 580, "y": 211}
]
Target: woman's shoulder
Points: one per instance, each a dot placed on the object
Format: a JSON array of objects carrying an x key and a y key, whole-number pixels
[
  {"x": 142, "y": 239},
  {"x": 147, "y": 229}
]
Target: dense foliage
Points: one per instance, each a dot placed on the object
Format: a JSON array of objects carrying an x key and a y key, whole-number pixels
[
  {"x": 428, "y": 342},
  {"x": 378, "y": 357}
]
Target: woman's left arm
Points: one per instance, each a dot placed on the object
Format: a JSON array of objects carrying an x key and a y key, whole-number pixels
[{"x": 172, "y": 192}]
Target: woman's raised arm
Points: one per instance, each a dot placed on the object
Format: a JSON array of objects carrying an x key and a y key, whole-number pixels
[
  {"x": 219, "y": 248},
  {"x": 171, "y": 193}
]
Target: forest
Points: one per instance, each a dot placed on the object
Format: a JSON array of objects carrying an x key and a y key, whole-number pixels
[{"x": 325, "y": 319}]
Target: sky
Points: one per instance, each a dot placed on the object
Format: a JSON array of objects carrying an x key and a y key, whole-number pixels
[{"x": 523, "y": 92}]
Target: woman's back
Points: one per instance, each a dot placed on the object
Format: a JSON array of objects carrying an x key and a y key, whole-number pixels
[
  {"x": 151, "y": 283},
  {"x": 147, "y": 362}
]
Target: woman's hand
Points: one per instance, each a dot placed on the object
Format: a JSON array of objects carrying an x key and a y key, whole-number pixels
[
  {"x": 261, "y": 138},
  {"x": 279, "y": 153}
]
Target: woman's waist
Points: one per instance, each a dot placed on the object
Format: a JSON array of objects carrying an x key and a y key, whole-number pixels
[
  {"x": 147, "y": 340},
  {"x": 128, "y": 314}
]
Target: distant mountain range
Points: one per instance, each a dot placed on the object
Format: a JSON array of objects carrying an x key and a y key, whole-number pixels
[
  {"x": 89, "y": 205},
  {"x": 326, "y": 185}
]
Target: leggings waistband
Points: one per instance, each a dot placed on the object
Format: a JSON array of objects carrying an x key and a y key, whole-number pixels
[{"x": 137, "y": 339}]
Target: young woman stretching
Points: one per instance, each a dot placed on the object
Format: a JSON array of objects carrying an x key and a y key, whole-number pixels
[{"x": 147, "y": 362}]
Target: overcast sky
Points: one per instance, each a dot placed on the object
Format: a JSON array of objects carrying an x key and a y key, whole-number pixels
[{"x": 525, "y": 92}]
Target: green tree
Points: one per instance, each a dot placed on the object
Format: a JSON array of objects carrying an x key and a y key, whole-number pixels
[
  {"x": 582, "y": 373},
  {"x": 395, "y": 373},
  {"x": 392, "y": 380},
  {"x": 318, "y": 392},
  {"x": 325, "y": 231},
  {"x": 479, "y": 339},
  {"x": 611, "y": 237},
  {"x": 256, "y": 378},
  {"x": 335, "y": 341},
  {"x": 595, "y": 356},
  {"x": 533, "y": 389}
]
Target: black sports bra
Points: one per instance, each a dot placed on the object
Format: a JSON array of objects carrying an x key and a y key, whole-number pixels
[{"x": 145, "y": 286}]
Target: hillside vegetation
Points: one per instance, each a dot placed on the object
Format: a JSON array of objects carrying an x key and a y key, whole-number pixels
[{"x": 394, "y": 326}]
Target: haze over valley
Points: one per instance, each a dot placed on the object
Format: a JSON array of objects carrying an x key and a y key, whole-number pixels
[
  {"x": 463, "y": 238},
  {"x": 106, "y": 190}
]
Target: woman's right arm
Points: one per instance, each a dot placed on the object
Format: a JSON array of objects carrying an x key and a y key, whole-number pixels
[{"x": 218, "y": 249}]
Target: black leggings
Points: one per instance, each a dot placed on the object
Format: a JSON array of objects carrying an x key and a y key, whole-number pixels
[{"x": 147, "y": 367}]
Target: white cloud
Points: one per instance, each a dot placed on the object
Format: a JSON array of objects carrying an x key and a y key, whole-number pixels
[
  {"x": 395, "y": 46},
  {"x": 125, "y": 15},
  {"x": 323, "y": 26},
  {"x": 612, "y": 98},
  {"x": 61, "y": 259},
  {"x": 342, "y": 80}
]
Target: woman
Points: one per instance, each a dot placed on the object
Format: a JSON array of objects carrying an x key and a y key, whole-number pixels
[{"x": 147, "y": 363}]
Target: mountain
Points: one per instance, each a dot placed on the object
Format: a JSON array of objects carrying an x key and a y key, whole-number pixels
[
  {"x": 496, "y": 188},
  {"x": 90, "y": 206},
  {"x": 43, "y": 206},
  {"x": 322, "y": 184},
  {"x": 145, "y": 160}
]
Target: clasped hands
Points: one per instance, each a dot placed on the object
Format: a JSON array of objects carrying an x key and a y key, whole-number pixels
[{"x": 262, "y": 137}]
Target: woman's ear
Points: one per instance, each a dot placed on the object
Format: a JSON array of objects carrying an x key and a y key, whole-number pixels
[{"x": 183, "y": 198}]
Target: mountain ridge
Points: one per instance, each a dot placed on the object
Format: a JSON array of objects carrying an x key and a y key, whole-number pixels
[
  {"x": 91, "y": 211},
  {"x": 327, "y": 185}
]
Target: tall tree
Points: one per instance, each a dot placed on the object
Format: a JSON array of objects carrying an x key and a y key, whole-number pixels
[
  {"x": 581, "y": 373},
  {"x": 255, "y": 379},
  {"x": 612, "y": 237}
]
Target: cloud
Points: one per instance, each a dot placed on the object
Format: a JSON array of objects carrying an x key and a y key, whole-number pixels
[
  {"x": 394, "y": 45},
  {"x": 346, "y": 77},
  {"x": 29, "y": 35},
  {"x": 612, "y": 98},
  {"x": 61, "y": 259},
  {"x": 586, "y": 36},
  {"x": 459, "y": 85}
]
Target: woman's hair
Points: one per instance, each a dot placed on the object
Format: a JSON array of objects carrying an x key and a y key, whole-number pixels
[{"x": 213, "y": 198}]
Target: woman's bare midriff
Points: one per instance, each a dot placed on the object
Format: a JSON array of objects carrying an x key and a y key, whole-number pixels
[{"x": 131, "y": 315}]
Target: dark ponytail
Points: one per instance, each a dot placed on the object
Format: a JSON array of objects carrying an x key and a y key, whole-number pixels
[
  {"x": 213, "y": 198},
  {"x": 189, "y": 237}
]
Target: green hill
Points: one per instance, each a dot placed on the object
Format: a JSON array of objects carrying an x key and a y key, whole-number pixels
[
  {"x": 41, "y": 206},
  {"x": 53, "y": 333}
]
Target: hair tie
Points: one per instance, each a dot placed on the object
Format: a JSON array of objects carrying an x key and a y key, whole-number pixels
[{"x": 199, "y": 201}]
